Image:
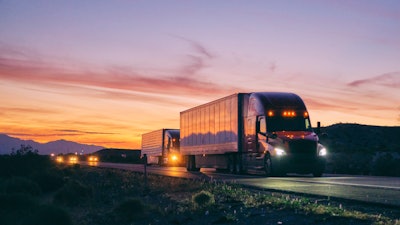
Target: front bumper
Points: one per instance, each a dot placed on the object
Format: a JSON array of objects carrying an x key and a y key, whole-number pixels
[{"x": 298, "y": 164}]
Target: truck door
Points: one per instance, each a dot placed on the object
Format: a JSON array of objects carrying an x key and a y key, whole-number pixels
[
  {"x": 261, "y": 134},
  {"x": 251, "y": 135}
]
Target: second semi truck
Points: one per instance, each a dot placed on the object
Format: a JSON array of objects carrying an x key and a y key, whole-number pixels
[
  {"x": 269, "y": 131},
  {"x": 162, "y": 147}
]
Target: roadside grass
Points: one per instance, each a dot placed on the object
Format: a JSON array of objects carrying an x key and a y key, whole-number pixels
[
  {"x": 279, "y": 201},
  {"x": 90, "y": 195},
  {"x": 185, "y": 199}
]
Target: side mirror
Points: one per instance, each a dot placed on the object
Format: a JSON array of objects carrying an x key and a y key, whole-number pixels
[
  {"x": 324, "y": 136},
  {"x": 273, "y": 136}
]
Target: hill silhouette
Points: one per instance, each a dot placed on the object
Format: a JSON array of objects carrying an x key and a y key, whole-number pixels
[
  {"x": 362, "y": 149},
  {"x": 349, "y": 137},
  {"x": 8, "y": 143}
]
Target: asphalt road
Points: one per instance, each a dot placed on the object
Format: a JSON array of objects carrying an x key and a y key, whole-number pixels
[{"x": 378, "y": 190}]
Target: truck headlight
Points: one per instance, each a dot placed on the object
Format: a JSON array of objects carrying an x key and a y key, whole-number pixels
[
  {"x": 174, "y": 158},
  {"x": 280, "y": 152},
  {"x": 322, "y": 152}
]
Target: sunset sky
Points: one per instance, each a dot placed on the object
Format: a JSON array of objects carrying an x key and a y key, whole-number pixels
[{"x": 104, "y": 72}]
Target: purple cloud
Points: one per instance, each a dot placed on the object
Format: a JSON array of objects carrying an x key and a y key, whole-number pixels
[
  {"x": 20, "y": 67},
  {"x": 391, "y": 80}
]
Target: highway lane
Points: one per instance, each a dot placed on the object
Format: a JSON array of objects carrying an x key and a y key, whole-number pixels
[
  {"x": 355, "y": 188},
  {"x": 379, "y": 190}
]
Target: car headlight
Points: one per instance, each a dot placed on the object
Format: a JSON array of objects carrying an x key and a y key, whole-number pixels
[
  {"x": 322, "y": 152},
  {"x": 280, "y": 152}
]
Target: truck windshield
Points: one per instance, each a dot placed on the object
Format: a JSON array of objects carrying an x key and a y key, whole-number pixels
[{"x": 288, "y": 124}]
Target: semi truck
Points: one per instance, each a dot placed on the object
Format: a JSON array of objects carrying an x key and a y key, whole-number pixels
[
  {"x": 263, "y": 131},
  {"x": 161, "y": 147}
]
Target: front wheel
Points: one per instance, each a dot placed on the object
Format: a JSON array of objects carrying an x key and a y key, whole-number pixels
[
  {"x": 319, "y": 169},
  {"x": 267, "y": 165},
  {"x": 317, "y": 174}
]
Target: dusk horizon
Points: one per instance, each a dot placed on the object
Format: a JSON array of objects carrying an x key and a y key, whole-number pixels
[
  {"x": 104, "y": 73},
  {"x": 26, "y": 137}
]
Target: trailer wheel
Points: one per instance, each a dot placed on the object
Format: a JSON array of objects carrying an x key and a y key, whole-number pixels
[
  {"x": 267, "y": 165},
  {"x": 191, "y": 164},
  {"x": 160, "y": 161},
  {"x": 233, "y": 164}
]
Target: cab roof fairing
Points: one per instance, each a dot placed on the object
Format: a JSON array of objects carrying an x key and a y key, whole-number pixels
[
  {"x": 173, "y": 133},
  {"x": 260, "y": 102}
]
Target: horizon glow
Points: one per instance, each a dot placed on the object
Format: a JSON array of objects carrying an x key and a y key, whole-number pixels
[{"x": 103, "y": 73}]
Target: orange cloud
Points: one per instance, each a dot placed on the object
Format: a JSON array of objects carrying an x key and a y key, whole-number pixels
[
  {"x": 112, "y": 106},
  {"x": 70, "y": 101}
]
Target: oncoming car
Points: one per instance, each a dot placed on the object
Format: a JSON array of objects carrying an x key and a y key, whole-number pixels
[
  {"x": 73, "y": 159},
  {"x": 92, "y": 158}
]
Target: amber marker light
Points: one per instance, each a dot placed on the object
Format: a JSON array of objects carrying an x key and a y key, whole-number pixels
[
  {"x": 289, "y": 114},
  {"x": 270, "y": 113}
]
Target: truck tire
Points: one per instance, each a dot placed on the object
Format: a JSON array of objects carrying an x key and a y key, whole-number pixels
[
  {"x": 160, "y": 162},
  {"x": 268, "y": 165},
  {"x": 233, "y": 164},
  {"x": 317, "y": 174},
  {"x": 191, "y": 164}
]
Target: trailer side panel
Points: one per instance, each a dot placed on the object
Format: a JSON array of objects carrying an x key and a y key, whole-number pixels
[
  {"x": 152, "y": 143},
  {"x": 212, "y": 128}
]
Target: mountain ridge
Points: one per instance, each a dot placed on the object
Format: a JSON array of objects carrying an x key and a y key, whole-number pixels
[
  {"x": 8, "y": 143},
  {"x": 342, "y": 137}
]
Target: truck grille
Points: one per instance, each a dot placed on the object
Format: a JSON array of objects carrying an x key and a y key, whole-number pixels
[{"x": 303, "y": 147}]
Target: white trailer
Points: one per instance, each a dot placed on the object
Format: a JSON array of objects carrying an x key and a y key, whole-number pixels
[{"x": 269, "y": 131}]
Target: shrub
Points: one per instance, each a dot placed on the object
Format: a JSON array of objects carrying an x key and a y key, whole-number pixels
[
  {"x": 50, "y": 180},
  {"x": 386, "y": 165},
  {"x": 72, "y": 193},
  {"x": 15, "y": 208},
  {"x": 23, "y": 163},
  {"x": 130, "y": 209},
  {"x": 24, "y": 150},
  {"x": 350, "y": 163},
  {"x": 49, "y": 215},
  {"x": 21, "y": 185},
  {"x": 203, "y": 199},
  {"x": 26, "y": 210}
]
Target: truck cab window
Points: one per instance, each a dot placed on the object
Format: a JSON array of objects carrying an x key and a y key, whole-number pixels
[
  {"x": 175, "y": 143},
  {"x": 308, "y": 124}
]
